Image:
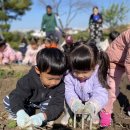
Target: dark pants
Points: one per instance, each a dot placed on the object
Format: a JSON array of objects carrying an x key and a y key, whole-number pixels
[
  {"x": 29, "y": 108},
  {"x": 53, "y": 33}
]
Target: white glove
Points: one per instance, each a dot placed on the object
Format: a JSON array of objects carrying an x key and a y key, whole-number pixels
[
  {"x": 77, "y": 107},
  {"x": 91, "y": 108},
  {"x": 23, "y": 119},
  {"x": 37, "y": 119}
]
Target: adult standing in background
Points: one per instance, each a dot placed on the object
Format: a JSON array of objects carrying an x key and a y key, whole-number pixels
[
  {"x": 49, "y": 22},
  {"x": 95, "y": 25}
]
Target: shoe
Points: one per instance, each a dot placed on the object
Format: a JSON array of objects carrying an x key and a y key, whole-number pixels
[{"x": 105, "y": 119}]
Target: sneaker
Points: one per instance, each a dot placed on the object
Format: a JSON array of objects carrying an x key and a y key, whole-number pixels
[
  {"x": 105, "y": 119},
  {"x": 128, "y": 111}
]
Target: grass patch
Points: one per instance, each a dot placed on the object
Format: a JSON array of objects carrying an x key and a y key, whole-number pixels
[{"x": 10, "y": 74}]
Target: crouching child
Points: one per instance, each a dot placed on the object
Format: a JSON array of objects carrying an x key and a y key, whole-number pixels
[{"x": 42, "y": 88}]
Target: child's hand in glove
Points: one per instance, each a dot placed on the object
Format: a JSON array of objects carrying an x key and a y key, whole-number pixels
[
  {"x": 23, "y": 119},
  {"x": 91, "y": 108},
  {"x": 38, "y": 119},
  {"x": 77, "y": 106}
]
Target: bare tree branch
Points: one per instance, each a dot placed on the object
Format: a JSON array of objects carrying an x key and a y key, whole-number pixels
[
  {"x": 58, "y": 5},
  {"x": 74, "y": 7},
  {"x": 43, "y": 3}
]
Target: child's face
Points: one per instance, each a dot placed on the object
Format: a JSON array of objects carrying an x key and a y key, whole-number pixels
[
  {"x": 82, "y": 75},
  {"x": 47, "y": 44},
  {"x": 49, "y": 80},
  {"x": 34, "y": 46},
  {"x": 95, "y": 11},
  {"x": 2, "y": 48}
]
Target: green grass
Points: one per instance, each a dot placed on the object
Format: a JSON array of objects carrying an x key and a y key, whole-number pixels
[{"x": 10, "y": 74}]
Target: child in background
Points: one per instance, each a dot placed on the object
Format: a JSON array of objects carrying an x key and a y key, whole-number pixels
[
  {"x": 68, "y": 47},
  {"x": 42, "y": 88},
  {"x": 51, "y": 42},
  {"x": 119, "y": 55},
  {"x": 105, "y": 44},
  {"x": 85, "y": 85},
  {"x": 54, "y": 42},
  {"x": 7, "y": 54},
  {"x": 32, "y": 50},
  {"x": 41, "y": 43},
  {"x": 23, "y": 46},
  {"x": 47, "y": 42},
  {"x": 113, "y": 35}
]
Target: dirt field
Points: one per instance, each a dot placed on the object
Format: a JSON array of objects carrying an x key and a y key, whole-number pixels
[{"x": 120, "y": 120}]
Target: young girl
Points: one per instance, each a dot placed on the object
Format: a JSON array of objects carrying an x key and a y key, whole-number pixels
[
  {"x": 32, "y": 50},
  {"x": 119, "y": 55},
  {"x": 42, "y": 88},
  {"x": 7, "y": 54},
  {"x": 85, "y": 85}
]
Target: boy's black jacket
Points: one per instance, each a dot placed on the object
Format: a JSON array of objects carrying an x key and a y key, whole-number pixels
[{"x": 30, "y": 89}]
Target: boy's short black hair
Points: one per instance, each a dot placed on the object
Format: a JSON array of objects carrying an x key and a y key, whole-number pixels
[
  {"x": 52, "y": 60},
  {"x": 48, "y": 7}
]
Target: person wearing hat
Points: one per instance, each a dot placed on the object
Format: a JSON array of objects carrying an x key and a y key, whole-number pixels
[{"x": 49, "y": 22}]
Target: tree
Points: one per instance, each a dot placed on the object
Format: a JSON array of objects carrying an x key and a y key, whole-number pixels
[
  {"x": 115, "y": 15},
  {"x": 73, "y": 8},
  {"x": 12, "y": 10}
]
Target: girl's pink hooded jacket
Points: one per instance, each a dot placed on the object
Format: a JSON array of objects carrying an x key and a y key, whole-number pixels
[{"x": 119, "y": 52}]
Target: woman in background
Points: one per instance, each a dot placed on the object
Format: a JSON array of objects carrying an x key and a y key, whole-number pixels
[{"x": 95, "y": 25}]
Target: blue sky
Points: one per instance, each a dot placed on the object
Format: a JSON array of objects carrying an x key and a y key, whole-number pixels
[{"x": 32, "y": 19}]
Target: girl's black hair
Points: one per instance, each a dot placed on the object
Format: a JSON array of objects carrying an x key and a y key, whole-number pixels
[
  {"x": 82, "y": 58},
  {"x": 51, "y": 60},
  {"x": 86, "y": 57}
]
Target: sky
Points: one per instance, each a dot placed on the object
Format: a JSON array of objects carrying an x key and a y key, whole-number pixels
[{"x": 33, "y": 18}]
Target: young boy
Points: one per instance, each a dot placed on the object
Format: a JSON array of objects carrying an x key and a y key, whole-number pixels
[{"x": 41, "y": 88}]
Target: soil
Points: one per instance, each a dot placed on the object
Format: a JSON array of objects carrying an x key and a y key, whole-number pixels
[{"x": 120, "y": 119}]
